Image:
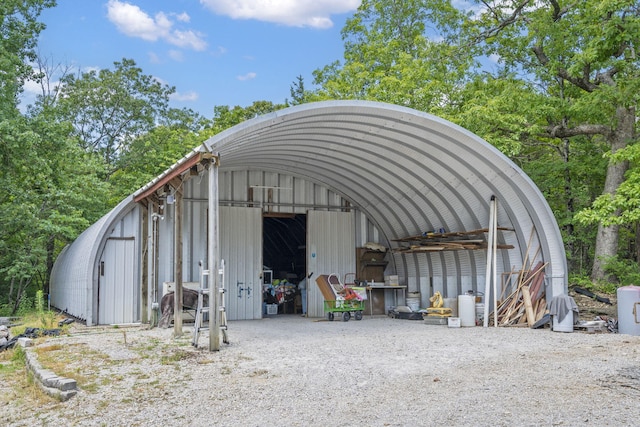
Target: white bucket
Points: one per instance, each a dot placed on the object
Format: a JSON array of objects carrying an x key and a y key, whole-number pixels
[
  {"x": 564, "y": 325},
  {"x": 466, "y": 310},
  {"x": 629, "y": 310}
]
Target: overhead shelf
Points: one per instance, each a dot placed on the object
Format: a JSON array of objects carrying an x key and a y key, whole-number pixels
[{"x": 451, "y": 241}]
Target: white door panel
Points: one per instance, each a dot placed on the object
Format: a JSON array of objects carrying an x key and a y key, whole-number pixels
[
  {"x": 241, "y": 249},
  {"x": 118, "y": 294},
  {"x": 331, "y": 249}
]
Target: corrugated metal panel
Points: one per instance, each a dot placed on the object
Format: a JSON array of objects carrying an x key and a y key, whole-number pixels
[
  {"x": 74, "y": 278},
  {"x": 241, "y": 249},
  {"x": 330, "y": 250},
  {"x": 118, "y": 294},
  {"x": 406, "y": 170}
]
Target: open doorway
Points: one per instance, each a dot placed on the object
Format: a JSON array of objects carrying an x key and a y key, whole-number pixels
[{"x": 284, "y": 259}]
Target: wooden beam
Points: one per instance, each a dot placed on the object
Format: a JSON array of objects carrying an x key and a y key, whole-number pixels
[
  {"x": 170, "y": 174},
  {"x": 177, "y": 269}
]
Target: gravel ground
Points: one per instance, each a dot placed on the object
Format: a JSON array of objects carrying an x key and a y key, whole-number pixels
[{"x": 291, "y": 371}]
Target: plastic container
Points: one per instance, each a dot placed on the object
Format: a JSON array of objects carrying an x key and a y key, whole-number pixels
[
  {"x": 479, "y": 312},
  {"x": 564, "y": 325},
  {"x": 629, "y": 310},
  {"x": 467, "y": 310},
  {"x": 453, "y": 322}
]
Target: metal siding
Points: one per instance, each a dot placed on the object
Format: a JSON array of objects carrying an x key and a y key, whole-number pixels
[
  {"x": 403, "y": 169},
  {"x": 406, "y": 170},
  {"x": 241, "y": 249},
  {"x": 118, "y": 294},
  {"x": 331, "y": 250}
]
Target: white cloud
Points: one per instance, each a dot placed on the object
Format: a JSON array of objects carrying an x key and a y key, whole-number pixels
[
  {"x": 248, "y": 76},
  {"x": 176, "y": 55},
  {"x": 32, "y": 89},
  {"x": 187, "y": 96},
  {"x": 294, "y": 13},
  {"x": 134, "y": 22},
  {"x": 187, "y": 39},
  {"x": 183, "y": 17}
]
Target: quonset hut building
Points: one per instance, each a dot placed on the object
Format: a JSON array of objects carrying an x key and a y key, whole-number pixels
[{"x": 300, "y": 191}]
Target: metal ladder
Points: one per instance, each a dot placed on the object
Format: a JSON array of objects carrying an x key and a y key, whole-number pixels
[{"x": 203, "y": 290}]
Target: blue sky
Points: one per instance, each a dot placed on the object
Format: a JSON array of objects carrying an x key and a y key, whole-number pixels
[{"x": 215, "y": 52}]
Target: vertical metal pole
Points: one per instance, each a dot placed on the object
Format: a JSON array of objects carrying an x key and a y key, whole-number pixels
[
  {"x": 487, "y": 280},
  {"x": 495, "y": 261},
  {"x": 214, "y": 256},
  {"x": 177, "y": 301}
]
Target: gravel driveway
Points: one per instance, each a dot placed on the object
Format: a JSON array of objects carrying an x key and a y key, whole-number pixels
[{"x": 292, "y": 371}]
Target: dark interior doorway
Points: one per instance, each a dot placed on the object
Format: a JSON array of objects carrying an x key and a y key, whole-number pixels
[{"x": 284, "y": 254}]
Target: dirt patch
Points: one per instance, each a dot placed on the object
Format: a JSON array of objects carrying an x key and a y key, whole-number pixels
[{"x": 590, "y": 308}]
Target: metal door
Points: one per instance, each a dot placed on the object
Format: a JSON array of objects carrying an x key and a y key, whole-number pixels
[
  {"x": 331, "y": 249},
  {"x": 118, "y": 294},
  {"x": 241, "y": 249}
]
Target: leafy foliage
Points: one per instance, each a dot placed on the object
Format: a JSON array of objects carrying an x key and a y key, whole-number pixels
[
  {"x": 110, "y": 108},
  {"x": 390, "y": 57}
]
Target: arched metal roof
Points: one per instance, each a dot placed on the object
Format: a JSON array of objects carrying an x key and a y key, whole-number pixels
[
  {"x": 408, "y": 171},
  {"x": 75, "y": 270}
]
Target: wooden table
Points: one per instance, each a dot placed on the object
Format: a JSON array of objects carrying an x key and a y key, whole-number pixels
[{"x": 371, "y": 287}]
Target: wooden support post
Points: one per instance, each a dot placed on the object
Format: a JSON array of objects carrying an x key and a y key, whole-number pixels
[
  {"x": 144, "y": 270},
  {"x": 177, "y": 269}
]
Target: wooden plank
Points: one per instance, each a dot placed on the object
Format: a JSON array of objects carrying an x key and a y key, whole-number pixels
[
  {"x": 526, "y": 297},
  {"x": 449, "y": 234}
]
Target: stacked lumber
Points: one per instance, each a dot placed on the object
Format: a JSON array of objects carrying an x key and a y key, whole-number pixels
[
  {"x": 527, "y": 304},
  {"x": 452, "y": 241}
]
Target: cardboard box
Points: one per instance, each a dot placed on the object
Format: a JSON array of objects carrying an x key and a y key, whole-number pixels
[
  {"x": 391, "y": 280},
  {"x": 453, "y": 322}
]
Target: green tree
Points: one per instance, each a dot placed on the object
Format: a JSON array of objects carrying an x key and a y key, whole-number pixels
[
  {"x": 50, "y": 193},
  {"x": 225, "y": 117},
  {"x": 155, "y": 151},
  {"x": 19, "y": 29},
  {"x": 400, "y": 52},
  {"x": 583, "y": 56},
  {"x": 298, "y": 93},
  {"x": 111, "y": 108}
]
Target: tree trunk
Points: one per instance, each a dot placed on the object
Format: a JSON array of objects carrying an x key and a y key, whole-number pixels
[
  {"x": 50, "y": 261},
  {"x": 607, "y": 238}
]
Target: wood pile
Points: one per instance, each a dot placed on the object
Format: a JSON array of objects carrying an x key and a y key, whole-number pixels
[
  {"x": 527, "y": 304},
  {"x": 457, "y": 240}
]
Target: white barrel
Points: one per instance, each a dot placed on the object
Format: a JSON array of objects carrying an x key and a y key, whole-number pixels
[
  {"x": 467, "y": 310},
  {"x": 629, "y": 310}
]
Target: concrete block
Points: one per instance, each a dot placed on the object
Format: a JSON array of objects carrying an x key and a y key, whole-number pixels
[{"x": 25, "y": 342}]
